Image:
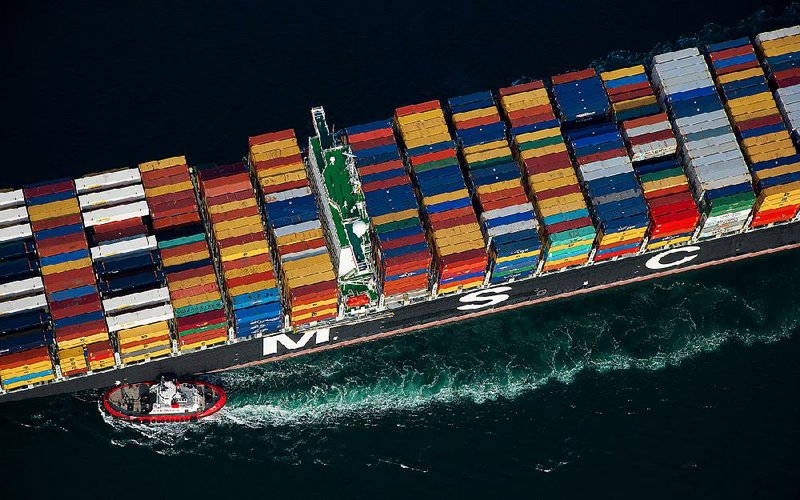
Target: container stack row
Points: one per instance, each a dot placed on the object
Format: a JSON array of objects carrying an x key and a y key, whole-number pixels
[
  {"x": 763, "y": 137},
  {"x": 647, "y": 131},
  {"x": 310, "y": 285},
  {"x": 242, "y": 249},
  {"x": 509, "y": 224},
  {"x": 606, "y": 172},
  {"x": 127, "y": 263},
  {"x": 652, "y": 147},
  {"x": 549, "y": 174},
  {"x": 402, "y": 254},
  {"x": 780, "y": 52},
  {"x": 67, "y": 273},
  {"x": 196, "y": 300},
  {"x": 24, "y": 319},
  {"x": 453, "y": 230},
  {"x": 719, "y": 176}
]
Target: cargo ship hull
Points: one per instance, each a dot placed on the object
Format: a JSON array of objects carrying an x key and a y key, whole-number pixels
[{"x": 439, "y": 311}]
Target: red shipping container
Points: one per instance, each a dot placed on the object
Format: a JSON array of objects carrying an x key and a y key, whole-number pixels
[
  {"x": 131, "y": 345},
  {"x": 654, "y": 195},
  {"x": 190, "y": 273},
  {"x": 270, "y": 137},
  {"x": 573, "y": 76},
  {"x": 477, "y": 122},
  {"x": 82, "y": 330},
  {"x": 522, "y": 87},
  {"x": 262, "y": 165},
  {"x": 301, "y": 246},
  {"x": 74, "y": 307},
  {"x": 435, "y": 156},
  {"x": 405, "y": 263},
  {"x": 736, "y": 67},
  {"x": 605, "y": 155},
  {"x": 193, "y": 291},
  {"x": 194, "y": 338},
  {"x": 417, "y": 108},
  {"x": 224, "y": 198},
  {"x": 176, "y": 221},
  {"x": 65, "y": 220},
  {"x": 285, "y": 186},
  {"x": 375, "y": 142},
  {"x": 568, "y": 225},
  {"x": 563, "y": 265},
  {"x": 634, "y": 88},
  {"x": 450, "y": 214},
  {"x": 762, "y": 121},
  {"x": 503, "y": 194},
  {"x": 29, "y": 357},
  {"x": 50, "y": 188},
  {"x": 464, "y": 258},
  {"x": 721, "y": 55},
  {"x": 175, "y": 208},
  {"x": 385, "y": 184},
  {"x": 407, "y": 241},
  {"x": 382, "y": 167},
  {"x": 559, "y": 191},
  {"x": 252, "y": 279},
  {"x": 456, "y": 221},
  {"x": 57, "y": 246},
  {"x": 68, "y": 280},
  {"x": 216, "y": 187},
  {"x": 611, "y": 255},
  {"x": 252, "y": 260},
  {"x": 632, "y": 94},
  {"x": 366, "y": 137},
  {"x": 661, "y": 135},
  {"x": 548, "y": 163}
]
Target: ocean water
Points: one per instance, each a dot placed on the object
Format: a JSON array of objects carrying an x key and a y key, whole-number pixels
[{"x": 687, "y": 387}]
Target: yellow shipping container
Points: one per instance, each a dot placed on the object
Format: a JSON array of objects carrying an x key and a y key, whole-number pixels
[
  {"x": 321, "y": 268},
  {"x": 221, "y": 227},
  {"x": 274, "y": 145},
  {"x": 90, "y": 339},
  {"x": 274, "y": 153},
  {"x": 635, "y": 103},
  {"x": 288, "y": 239},
  {"x": 102, "y": 363},
  {"x": 550, "y": 264},
  {"x": 776, "y": 171},
  {"x": 66, "y": 266},
  {"x": 303, "y": 317},
  {"x": 195, "y": 299},
  {"x": 454, "y": 232},
  {"x": 771, "y": 155},
  {"x": 460, "y": 248},
  {"x": 739, "y": 75},
  {"x": 310, "y": 279},
  {"x": 277, "y": 180},
  {"x": 237, "y": 252},
  {"x": 247, "y": 271},
  {"x": 567, "y": 173},
  {"x": 191, "y": 282},
  {"x": 562, "y": 208},
  {"x": 396, "y": 216},
  {"x": 425, "y": 115},
  {"x": 525, "y": 100},
  {"x": 562, "y": 200},
  {"x": 182, "y": 259},
  {"x": 444, "y": 197},
  {"x": 26, "y": 369},
  {"x": 768, "y": 150},
  {"x": 479, "y": 148},
  {"x": 488, "y": 155},
  {"x": 539, "y": 134},
  {"x": 546, "y": 150},
  {"x": 314, "y": 305},
  {"x": 781, "y": 46},
  {"x": 431, "y": 139},
  {"x": 172, "y": 188},
  {"x": 150, "y": 355},
  {"x": 252, "y": 287},
  {"x": 622, "y": 73},
  {"x": 662, "y": 244},
  {"x": 281, "y": 170},
  {"x": 202, "y": 343},
  {"x": 612, "y": 238},
  {"x": 522, "y": 255},
  {"x": 53, "y": 210},
  {"x": 498, "y": 186},
  {"x": 240, "y": 231},
  {"x": 72, "y": 352},
  {"x": 476, "y": 113},
  {"x": 678, "y": 180},
  {"x": 456, "y": 288},
  {"x": 143, "y": 332},
  {"x": 323, "y": 258},
  {"x": 231, "y": 206},
  {"x": 130, "y": 348}
]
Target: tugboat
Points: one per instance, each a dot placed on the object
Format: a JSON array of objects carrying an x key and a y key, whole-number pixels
[{"x": 164, "y": 401}]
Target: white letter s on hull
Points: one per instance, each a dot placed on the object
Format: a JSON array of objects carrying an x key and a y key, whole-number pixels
[{"x": 484, "y": 298}]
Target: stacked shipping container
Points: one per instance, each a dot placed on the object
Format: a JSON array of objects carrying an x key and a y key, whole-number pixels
[
  {"x": 197, "y": 304},
  {"x": 767, "y": 146},
  {"x": 509, "y": 224},
  {"x": 242, "y": 249},
  {"x": 69, "y": 280},
  {"x": 606, "y": 173},
  {"x": 310, "y": 285},
  {"x": 780, "y": 50},
  {"x": 402, "y": 253},
  {"x": 549, "y": 174},
  {"x": 720, "y": 179},
  {"x": 651, "y": 146},
  {"x": 24, "y": 319},
  {"x": 453, "y": 230},
  {"x": 127, "y": 263}
]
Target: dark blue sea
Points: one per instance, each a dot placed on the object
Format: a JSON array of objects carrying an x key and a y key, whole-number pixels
[{"x": 687, "y": 387}]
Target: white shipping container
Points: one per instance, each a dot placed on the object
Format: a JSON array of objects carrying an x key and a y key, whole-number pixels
[
  {"x": 505, "y": 211},
  {"x": 311, "y": 252},
  {"x": 17, "y": 232},
  {"x": 513, "y": 228},
  {"x": 608, "y": 172},
  {"x": 287, "y": 195},
  {"x": 774, "y": 35},
  {"x": 678, "y": 54},
  {"x": 23, "y": 304},
  {"x": 27, "y": 286},
  {"x": 646, "y": 129},
  {"x": 115, "y": 214},
  {"x": 139, "y": 318},
  {"x": 114, "y": 196},
  {"x": 13, "y": 216},
  {"x": 135, "y": 300},
  {"x": 12, "y": 198},
  {"x": 107, "y": 180},
  {"x": 298, "y": 228},
  {"x": 138, "y": 244}
]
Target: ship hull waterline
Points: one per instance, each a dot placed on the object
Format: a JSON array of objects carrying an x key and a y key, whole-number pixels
[{"x": 443, "y": 310}]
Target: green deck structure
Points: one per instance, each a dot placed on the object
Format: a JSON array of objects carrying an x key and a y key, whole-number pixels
[{"x": 344, "y": 213}]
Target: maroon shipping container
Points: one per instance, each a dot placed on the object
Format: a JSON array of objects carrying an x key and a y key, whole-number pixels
[
  {"x": 253, "y": 260},
  {"x": 605, "y": 155},
  {"x": 548, "y": 163},
  {"x": 277, "y": 162},
  {"x": 53, "y": 188},
  {"x": 455, "y": 222},
  {"x": 284, "y": 187},
  {"x": 270, "y": 137},
  {"x": 450, "y": 214},
  {"x": 68, "y": 280},
  {"x": 568, "y": 225},
  {"x": 388, "y": 183},
  {"x": 573, "y": 76},
  {"x": 64, "y": 244},
  {"x": 661, "y": 135},
  {"x": 414, "y": 239},
  {"x": 190, "y": 273},
  {"x": 241, "y": 240},
  {"x": 523, "y": 87},
  {"x": 382, "y": 167},
  {"x": 65, "y": 220},
  {"x": 82, "y": 330},
  {"x": 234, "y": 214},
  {"x": 372, "y": 143},
  {"x": 199, "y": 320}
]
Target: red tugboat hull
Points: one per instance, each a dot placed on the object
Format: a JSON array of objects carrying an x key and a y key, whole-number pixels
[{"x": 220, "y": 400}]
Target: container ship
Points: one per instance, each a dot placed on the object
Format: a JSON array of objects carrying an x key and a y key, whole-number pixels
[{"x": 447, "y": 210}]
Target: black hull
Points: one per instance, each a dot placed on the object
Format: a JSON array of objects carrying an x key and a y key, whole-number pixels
[{"x": 440, "y": 311}]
